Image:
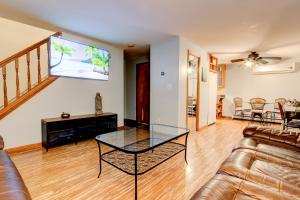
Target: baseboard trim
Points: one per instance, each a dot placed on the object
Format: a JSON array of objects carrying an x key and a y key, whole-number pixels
[
  {"x": 121, "y": 128},
  {"x": 203, "y": 127},
  {"x": 130, "y": 122},
  {"x": 25, "y": 148},
  {"x": 226, "y": 117}
]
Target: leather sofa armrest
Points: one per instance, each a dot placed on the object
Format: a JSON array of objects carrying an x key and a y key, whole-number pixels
[{"x": 1, "y": 143}]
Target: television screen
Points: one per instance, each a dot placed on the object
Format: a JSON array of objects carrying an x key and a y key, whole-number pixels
[{"x": 72, "y": 59}]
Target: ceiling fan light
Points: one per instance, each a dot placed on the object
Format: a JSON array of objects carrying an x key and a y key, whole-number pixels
[{"x": 248, "y": 63}]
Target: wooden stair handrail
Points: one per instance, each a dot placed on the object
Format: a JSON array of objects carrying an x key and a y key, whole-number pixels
[{"x": 25, "y": 51}]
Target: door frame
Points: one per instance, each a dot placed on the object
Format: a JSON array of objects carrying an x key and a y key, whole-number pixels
[{"x": 198, "y": 89}]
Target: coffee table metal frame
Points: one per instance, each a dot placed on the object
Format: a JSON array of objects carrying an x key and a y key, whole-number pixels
[{"x": 135, "y": 154}]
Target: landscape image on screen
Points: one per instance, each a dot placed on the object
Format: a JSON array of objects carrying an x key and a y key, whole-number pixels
[{"x": 72, "y": 59}]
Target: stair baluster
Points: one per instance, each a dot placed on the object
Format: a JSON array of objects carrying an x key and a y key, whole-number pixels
[
  {"x": 38, "y": 52},
  {"x": 28, "y": 71},
  {"x": 17, "y": 78},
  {"x": 4, "y": 85}
]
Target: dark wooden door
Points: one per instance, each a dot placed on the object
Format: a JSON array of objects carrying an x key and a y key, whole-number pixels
[{"x": 143, "y": 93}]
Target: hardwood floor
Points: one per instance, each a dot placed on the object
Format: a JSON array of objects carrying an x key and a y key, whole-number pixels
[
  {"x": 70, "y": 171},
  {"x": 192, "y": 123}
]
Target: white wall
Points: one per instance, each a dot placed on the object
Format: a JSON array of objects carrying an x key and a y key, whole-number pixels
[
  {"x": 76, "y": 96},
  {"x": 212, "y": 101},
  {"x": 130, "y": 81},
  {"x": 24, "y": 36},
  {"x": 240, "y": 82},
  {"x": 186, "y": 45},
  {"x": 168, "y": 93},
  {"x": 164, "y": 57}
]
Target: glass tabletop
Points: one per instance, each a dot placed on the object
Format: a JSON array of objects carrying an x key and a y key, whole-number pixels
[{"x": 139, "y": 140}]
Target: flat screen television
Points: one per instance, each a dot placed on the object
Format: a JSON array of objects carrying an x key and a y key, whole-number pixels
[{"x": 72, "y": 59}]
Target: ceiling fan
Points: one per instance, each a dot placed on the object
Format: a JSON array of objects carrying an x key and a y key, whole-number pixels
[{"x": 254, "y": 58}]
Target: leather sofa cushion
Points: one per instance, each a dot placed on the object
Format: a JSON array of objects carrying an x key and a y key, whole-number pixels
[
  {"x": 287, "y": 137},
  {"x": 275, "y": 149},
  {"x": 264, "y": 170},
  {"x": 12, "y": 186},
  {"x": 223, "y": 187}
]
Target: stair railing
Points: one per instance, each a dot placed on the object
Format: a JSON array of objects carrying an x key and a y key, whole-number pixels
[{"x": 9, "y": 105}]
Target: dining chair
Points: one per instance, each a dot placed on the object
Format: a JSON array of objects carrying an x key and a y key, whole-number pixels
[
  {"x": 282, "y": 101},
  {"x": 276, "y": 111},
  {"x": 190, "y": 100},
  {"x": 238, "y": 106},
  {"x": 191, "y": 106},
  {"x": 287, "y": 125},
  {"x": 257, "y": 108}
]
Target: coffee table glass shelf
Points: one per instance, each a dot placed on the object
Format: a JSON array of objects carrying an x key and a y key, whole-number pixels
[{"x": 138, "y": 150}]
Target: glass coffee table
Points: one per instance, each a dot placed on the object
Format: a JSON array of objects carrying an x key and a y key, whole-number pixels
[{"x": 138, "y": 150}]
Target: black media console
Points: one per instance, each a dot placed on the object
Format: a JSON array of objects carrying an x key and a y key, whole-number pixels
[{"x": 59, "y": 131}]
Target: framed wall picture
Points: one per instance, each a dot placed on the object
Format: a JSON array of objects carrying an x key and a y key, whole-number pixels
[{"x": 204, "y": 74}]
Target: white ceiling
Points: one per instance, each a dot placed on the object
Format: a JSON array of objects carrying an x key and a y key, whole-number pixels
[{"x": 220, "y": 26}]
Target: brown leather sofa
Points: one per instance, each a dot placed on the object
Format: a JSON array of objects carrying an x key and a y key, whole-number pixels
[
  {"x": 265, "y": 165},
  {"x": 12, "y": 186}
]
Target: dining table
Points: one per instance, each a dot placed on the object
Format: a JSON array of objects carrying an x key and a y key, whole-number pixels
[{"x": 268, "y": 107}]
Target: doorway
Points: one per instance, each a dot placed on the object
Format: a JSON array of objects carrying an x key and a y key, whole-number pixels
[
  {"x": 137, "y": 85},
  {"x": 193, "y": 93},
  {"x": 143, "y": 93}
]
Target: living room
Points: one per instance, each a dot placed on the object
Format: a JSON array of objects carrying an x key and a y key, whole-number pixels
[{"x": 100, "y": 101}]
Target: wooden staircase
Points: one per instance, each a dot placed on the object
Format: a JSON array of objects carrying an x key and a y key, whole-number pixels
[{"x": 33, "y": 87}]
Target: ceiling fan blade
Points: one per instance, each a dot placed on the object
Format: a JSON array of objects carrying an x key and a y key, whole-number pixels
[
  {"x": 238, "y": 60},
  {"x": 272, "y": 58},
  {"x": 261, "y": 61}
]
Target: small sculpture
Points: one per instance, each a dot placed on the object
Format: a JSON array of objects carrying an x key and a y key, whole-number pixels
[{"x": 98, "y": 104}]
